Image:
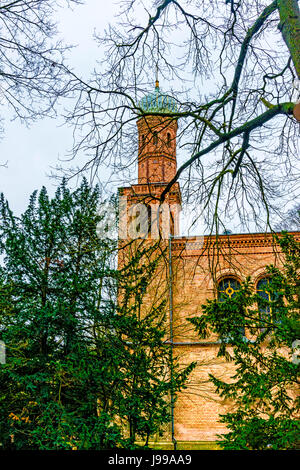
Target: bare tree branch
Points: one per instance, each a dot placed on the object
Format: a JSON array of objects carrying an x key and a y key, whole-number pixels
[{"x": 232, "y": 78}]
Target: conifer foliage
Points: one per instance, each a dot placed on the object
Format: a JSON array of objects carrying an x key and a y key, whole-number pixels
[
  {"x": 260, "y": 334},
  {"x": 83, "y": 370}
]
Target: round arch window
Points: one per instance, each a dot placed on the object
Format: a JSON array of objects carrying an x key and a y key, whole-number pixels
[
  {"x": 263, "y": 290},
  {"x": 227, "y": 288},
  {"x": 168, "y": 139}
]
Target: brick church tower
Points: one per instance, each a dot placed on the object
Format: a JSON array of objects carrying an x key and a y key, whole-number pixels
[
  {"x": 157, "y": 166},
  {"x": 157, "y": 139},
  {"x": 186, "y": 279}
]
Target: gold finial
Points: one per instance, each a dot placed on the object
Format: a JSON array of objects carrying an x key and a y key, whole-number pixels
[{"x": 156, "y": 81}]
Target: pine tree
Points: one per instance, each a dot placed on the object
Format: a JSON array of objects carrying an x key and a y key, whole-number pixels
[
  {"x": 151, "y": 375},
  {"x": 82, "y": 367}
]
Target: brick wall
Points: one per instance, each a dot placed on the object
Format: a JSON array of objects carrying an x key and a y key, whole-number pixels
[
  {"x": 196, "y": 271},
  {"x": 157, "y": 149},
  {"x": 197, "y": 267}
]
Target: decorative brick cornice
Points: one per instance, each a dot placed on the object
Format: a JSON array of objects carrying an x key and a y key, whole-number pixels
[
  {"x": 204, "y": 245},
  {"x": 157, "y": 154},
  {"x": 147, "y": 190}
]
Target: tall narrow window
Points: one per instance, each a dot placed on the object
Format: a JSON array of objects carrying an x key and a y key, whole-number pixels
[
  {"x": 149, "y": 215},
  {"x": 263, "y": 290},
  {"x": 172, "y": 224},
  {"x": 168, "y": 139},
  {"x": 227, "y": 290},
  {"x": 155, "y": 138}
]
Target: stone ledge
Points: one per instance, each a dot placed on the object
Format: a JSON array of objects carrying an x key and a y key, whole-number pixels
[{"x": 184, "y": 445}]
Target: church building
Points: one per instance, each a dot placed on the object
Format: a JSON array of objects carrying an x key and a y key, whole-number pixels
[{"x": 196, "y": 269}]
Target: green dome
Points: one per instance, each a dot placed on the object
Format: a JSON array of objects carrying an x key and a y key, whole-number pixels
[{"x": 158, "y": 102}]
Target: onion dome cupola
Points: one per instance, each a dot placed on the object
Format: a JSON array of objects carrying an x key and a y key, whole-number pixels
[{"x": 158, "y": 102}]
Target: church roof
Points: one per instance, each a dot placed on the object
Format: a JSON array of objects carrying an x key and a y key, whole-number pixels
[{"x": 158, "y": 102}]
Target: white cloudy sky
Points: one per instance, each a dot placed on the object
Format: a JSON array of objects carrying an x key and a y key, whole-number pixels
[{"x": 30, "y": 153}]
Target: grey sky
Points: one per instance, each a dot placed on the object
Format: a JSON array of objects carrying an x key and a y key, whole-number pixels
[{"x": 31, "y": 152}]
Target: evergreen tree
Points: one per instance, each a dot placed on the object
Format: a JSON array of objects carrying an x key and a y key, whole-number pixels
[
  {"x": 151, "y": 376},
  {"x": 260, "y": 334},
  {"x": 80, "y": 363}
]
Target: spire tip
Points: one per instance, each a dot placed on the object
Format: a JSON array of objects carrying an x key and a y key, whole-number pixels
[{"x": 156, "y": 81}]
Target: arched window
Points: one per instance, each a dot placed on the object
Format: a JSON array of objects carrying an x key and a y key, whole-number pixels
[
  {"x": 228, "y": 288},
  {"x": 172, "y": 224},
  {"x": 168, "y": 139},
  {"x": 263, "y": 291},
  {"x": 155, "y": 138},
  {"x": 149, "y": 215}
]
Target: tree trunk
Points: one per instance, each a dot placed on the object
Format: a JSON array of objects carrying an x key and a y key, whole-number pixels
[{"x": 290, "y": 28}]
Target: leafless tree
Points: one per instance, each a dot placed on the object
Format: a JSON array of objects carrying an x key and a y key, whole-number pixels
[
  {"x": 235, "y": 68},
  {"x": 32, "y": 75},
  {"x": 291, "y": 220}
]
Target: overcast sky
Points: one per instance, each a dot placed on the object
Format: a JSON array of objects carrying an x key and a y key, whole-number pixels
[{"x": 31, "y": 152}]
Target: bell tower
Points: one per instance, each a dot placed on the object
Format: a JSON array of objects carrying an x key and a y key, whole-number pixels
[
  {"x": 157, "y": 128},
  {"x": 157, "y": 138}
]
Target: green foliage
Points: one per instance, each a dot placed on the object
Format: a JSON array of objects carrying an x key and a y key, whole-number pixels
[
  {"x": 259, "y": 335},
  {"x": 54, "y": 285},
  {"x": 144, "y": 398},
  {"x": 83, "y": 370}
]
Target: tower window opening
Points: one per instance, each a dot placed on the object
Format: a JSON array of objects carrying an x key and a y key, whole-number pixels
[
  {"x": 172, "y": 224},
  {"x": 168, "y": 139},
  {"x": 155, "y": 138},
  {"x": 143, "y": 140},
  {"x": 149, "y": 216}
]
